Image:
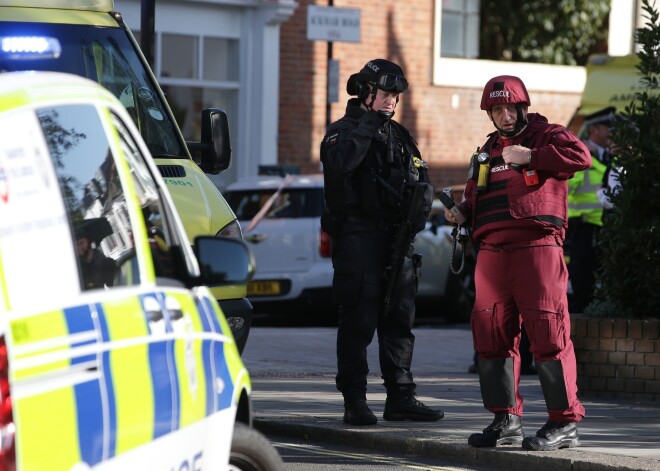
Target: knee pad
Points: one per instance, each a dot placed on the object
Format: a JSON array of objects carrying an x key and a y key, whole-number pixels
[
  {"x": 497, "y": 382},
  {"x": 551, "y": 376}
]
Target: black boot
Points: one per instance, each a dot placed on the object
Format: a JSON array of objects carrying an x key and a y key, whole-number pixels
[
  {"x": 552, "y": 436},
  {"x": 357, "y": 412},
  {"x": 506, "y": 429},
  {"x": 410, "y": 408}
]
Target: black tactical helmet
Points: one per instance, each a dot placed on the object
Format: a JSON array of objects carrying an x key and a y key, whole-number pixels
[{"x": 380, "y": 73}]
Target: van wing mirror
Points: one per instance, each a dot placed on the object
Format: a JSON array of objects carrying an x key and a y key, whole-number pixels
[
  {"x": 223, "y": 261},
  {"x": 215, "y": 146}
]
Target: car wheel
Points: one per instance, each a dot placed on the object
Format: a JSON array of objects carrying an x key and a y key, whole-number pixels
[
  {"x": 251, "y": 451},
  {"x": 460, "y": 297}
]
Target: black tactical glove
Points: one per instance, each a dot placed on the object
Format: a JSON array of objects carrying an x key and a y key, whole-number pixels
[{"x": 370, "y": 121}]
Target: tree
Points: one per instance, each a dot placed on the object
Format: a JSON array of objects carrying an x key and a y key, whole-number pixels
[
  {"x": 630, "y": 239},
  {"x": 546, "y": 31}
]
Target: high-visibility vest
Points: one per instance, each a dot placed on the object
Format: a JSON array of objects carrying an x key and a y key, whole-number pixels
[{"x": 582, "y": 197}]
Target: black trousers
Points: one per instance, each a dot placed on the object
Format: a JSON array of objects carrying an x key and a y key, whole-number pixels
[
  {"x": 583, "y": 265},
  {"x": 360, "y": 257}
]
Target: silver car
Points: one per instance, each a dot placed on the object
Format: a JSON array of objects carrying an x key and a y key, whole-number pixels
[{"x": 280, "y": 219}]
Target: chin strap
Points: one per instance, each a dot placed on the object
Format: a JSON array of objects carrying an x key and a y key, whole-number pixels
[
  {"x": 385, "y": 115},
  {"x": 521, "y": 123}
]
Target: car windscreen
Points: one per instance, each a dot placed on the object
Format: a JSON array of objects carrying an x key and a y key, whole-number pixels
[
  {"x": 290, "y": 203},
  {"x": 106, "y": 56}
]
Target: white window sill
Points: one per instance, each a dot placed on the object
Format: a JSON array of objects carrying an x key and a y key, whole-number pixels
[{"x": 472, "y": 73}]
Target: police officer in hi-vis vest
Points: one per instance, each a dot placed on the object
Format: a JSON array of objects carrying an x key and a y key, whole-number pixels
[
  {"x": 370, "y": 162},
  {"x": 585, "y": 209},
  {"x": 515, "y": 203}
]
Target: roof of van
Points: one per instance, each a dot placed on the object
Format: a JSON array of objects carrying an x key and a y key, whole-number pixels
[
  {"x": 91, "y": 5},
  {"x": 611, "y": 81}
]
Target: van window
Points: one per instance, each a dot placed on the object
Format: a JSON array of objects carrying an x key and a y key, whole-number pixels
[
  {"x": 93, "y": 195},
  {"x": 106, "y": 56}
]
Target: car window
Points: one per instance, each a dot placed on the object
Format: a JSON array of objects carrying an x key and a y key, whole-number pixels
[
  {"x": 290, "y": 203},
  {"x": 159, "y": 231},
  {"x": 93, "y": 195}
]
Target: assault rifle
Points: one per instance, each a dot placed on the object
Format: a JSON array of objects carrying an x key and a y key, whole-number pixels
[{"x": 413, "y": 204}]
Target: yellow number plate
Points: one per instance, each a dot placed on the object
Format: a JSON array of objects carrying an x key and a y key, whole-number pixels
[{"x": 263, "y": 288}]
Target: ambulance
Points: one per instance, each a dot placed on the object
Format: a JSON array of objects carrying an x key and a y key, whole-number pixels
[
  {"x": 612, "y": 81},
  {"x": 88, "y": 38},
  {"x": 114, "y": 354}
]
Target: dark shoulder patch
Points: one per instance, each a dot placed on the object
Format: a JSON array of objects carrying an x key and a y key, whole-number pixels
[{"x": 331, "y": 139}]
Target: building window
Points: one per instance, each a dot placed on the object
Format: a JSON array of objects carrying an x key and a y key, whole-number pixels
[
  {"x": 456, "y": 55},
  {"x": 179, "y": 58},
  {"x": 198, "y": 72},
  {"x": 460, "y": 29},
  {"x": 220, "y": 59}
]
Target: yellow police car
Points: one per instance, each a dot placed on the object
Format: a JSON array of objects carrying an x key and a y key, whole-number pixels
[
  {"x": 113, "y": 352},
  {"x": 90, "y": 39}
]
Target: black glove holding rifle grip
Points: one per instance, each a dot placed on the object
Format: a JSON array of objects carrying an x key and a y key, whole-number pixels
[{"x": 459, "y": 233}]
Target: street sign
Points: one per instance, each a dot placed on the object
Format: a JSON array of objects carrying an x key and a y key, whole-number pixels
[{"x": 333, "y": 24}]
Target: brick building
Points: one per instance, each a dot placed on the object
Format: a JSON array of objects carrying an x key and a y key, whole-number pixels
[{"x": 441, "y": 107}]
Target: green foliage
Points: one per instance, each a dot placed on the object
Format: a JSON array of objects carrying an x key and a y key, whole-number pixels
[
  {"x": 630, "y": 239},
  {"x": 547, "y": 31}
]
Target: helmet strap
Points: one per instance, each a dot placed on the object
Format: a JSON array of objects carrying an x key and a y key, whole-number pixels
[{"x": 370, "y": 105}]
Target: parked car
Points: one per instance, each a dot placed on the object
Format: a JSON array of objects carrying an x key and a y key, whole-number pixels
[
  {"x": 280, "y": 219},
  {"x": 114, "y": 353},
  {"x": 440, "y": 291}
]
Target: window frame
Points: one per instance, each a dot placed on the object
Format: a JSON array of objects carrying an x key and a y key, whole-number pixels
[{"x": 474, "y": 73}]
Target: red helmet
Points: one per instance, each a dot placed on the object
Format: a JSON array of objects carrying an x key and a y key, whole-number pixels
[{"x": 504, "y": 89}]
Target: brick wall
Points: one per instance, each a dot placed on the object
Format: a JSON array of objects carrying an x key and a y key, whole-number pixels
[
  {"x": 617, "y": 357},
  {"x": 401, "y": 31}
]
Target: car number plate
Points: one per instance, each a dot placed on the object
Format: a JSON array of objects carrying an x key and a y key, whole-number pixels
[{"x": 263, "y": 288}]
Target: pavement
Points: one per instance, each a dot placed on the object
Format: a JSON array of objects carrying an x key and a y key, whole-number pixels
[{"x": 294, "y": 395}]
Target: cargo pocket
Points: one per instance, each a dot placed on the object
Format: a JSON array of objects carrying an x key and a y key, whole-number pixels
[
  {"x": 484, "y": 329},
  {"x": 347, "y": 287},
  {"x": 545, "y": 329}
]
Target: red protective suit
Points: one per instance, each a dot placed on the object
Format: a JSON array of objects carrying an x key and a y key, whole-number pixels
[{"x": 520, "y": 272}]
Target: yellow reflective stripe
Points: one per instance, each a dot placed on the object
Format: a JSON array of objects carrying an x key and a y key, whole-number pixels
[
  {"x": 130, "y": 373},
  {"x": 46, "y": 427},
  {"x": 35, "y": 336},
  {"x": 4, "y": 290},
  {"x": 189, "y": 364},
  {"x": 46, "y": 424},
  {"x": 13, "y": 99}
]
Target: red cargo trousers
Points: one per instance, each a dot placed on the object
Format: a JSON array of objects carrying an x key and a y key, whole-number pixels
[{"x": 525, "y": 283}]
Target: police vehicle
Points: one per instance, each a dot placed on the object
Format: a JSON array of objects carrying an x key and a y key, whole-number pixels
[
  {"x": 88, "y": 38},
  {"x": 113, "y": 352}
]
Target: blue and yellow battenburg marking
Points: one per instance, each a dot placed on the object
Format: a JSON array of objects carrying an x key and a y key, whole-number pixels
[{"x": 93, "y": 375}]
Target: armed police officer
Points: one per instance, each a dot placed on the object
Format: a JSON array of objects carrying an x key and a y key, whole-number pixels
[
  {"x": 515, "y": 202},
  {"x": 371, "y": 168}
]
